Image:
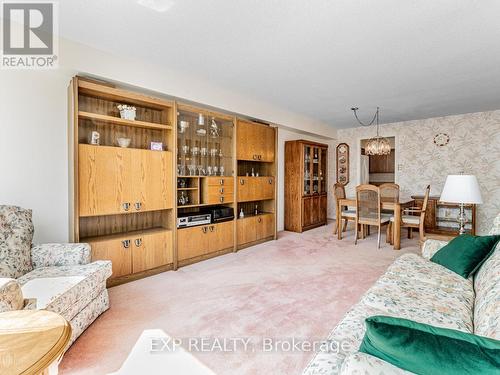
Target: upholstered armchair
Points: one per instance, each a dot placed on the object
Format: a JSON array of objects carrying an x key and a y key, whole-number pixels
[{"x": 58, "y": 277}]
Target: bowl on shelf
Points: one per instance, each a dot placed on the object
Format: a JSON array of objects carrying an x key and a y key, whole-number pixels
[{"x": 123, "y": 142}]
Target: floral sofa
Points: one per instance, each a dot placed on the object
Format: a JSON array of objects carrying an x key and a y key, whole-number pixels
[
  {"x": 417, "y": 289},
  {"x": 54, "y": 277}
]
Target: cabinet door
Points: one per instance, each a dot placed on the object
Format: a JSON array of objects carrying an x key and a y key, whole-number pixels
[
  {"x": 316, "y": 210},
  {"x": 151, "y": 250},
  {"x": 307, "y": 210},
  {"x": 247, "y": 140},
  {"x": 221, "y": 236},
  {"x": 246, "y": 189},
  {"x": 268, "y": 143},
  {"x": 246, "y": 230},
  {"x": 266, "y": 188},
  {"x": 115, "y": 250},
  {"x": 265, "y": 226},
  {"x": 192, "y": 242},
  {"x": 151, "y": 180},
  {"x": 104, "y": 180},
  {"x": 323, "y": 207}
]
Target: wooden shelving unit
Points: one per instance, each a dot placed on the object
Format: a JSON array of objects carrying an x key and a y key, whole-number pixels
[
  {"x": 126, "y": 201},
  {"x": 123, "y": 198},
  {"x": 256, "y": 146}
]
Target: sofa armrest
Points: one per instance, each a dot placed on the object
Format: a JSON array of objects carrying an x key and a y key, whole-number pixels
[
  {"x": 431, "y": 247},
  {"x": 60, "y": 254},
  {"x": 361, "y": 364},
  {"x": 11, "y": 295}
]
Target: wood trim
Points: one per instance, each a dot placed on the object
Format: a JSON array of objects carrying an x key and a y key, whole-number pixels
[
  {"x": 312, "y": 143},
  {"x": 139, "y": 275},
  {"x": 250, "y": 244},
  {"x": 74, "y": 212},
  {"x": 200, "y": 258},
  {"x": 111, "y": 93},
  {"x": 119, "y": 121},
  {"x": 191, "y": 108}
]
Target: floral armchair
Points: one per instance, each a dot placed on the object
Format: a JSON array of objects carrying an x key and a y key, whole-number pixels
[{"x": 56, "y": 277}]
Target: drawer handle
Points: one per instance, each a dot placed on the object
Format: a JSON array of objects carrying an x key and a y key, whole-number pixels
[
  {"x": 271, "y": 181},
  {"x": 260, "y": 157},
  {"x": 260, "y": 220},
  {"x": 255, "y": 157},
  {"x": 221, "y": 181},
  {"x": 221, "y": 190},
  {"x": 126, "y": 206},
  {"x": 204, "y": 230},
  {"x": 212, "y": 228},
  {"x": 221, "y": 199},
  {"x": 138, "y": 205},
  {"x": 138, "y": 242},
  {"x": 126, "y": 244},
  {"x": 242, "y": 181}
]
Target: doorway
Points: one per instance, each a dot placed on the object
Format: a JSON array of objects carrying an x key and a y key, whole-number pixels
[{"x": 378, "y": 169}]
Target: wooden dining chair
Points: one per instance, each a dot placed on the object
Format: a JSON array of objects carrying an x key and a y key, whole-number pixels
[
  {"x": 413, "y": 218},
  {"x": 368, "y": 209},
  {"x": 389, "y": 191},
  {"x": 346, "y": 214}
]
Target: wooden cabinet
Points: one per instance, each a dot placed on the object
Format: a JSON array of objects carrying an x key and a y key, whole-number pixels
[
  {"x": 151, "y": 250},
  {"x": 122, "y": 198},
  {"x": 118, "y": 180},
  {"x": 255, "y": 228},
  {"x": 441, "y": 217},
  {"x": 255, "y": 188},
  {"x": 202, "y": 240},
  {"x": 306, "y": 190},
  {"x": 135, "y": 251},
  {"x": 217, "y": 190},
  {"x": 256, "y": 142},
  {"x": 382, "y": 163}
]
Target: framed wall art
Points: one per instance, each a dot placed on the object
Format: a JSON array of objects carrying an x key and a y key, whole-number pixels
[{"x": 343, "y": 163}]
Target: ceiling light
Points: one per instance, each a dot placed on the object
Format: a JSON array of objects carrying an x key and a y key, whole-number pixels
[
  {"x": 377, "y": 145},
  {"x": 156, "y": 5}
]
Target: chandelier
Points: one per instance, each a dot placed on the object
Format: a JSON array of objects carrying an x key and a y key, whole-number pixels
[{"x": 377, "y": 145}]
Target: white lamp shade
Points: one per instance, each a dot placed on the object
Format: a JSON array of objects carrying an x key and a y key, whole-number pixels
[{"x": 461, "y": 189}]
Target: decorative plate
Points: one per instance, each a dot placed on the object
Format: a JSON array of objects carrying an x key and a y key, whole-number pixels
[
  {"x": 441, "y": 139},
  {"x": 343, "y": 163}
]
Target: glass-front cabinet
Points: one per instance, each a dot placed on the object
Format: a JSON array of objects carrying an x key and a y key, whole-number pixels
[
  {"x": 315, "y": 169},
  {"x": 204, "y": 144}
]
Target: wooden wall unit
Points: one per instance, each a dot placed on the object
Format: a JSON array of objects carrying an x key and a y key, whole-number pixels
[
  {"x": 123, "y": 197},
  {"x": 306, "y": 190},
  {"x": 125, "y": 201},
  {"x": 256, "y": 182}
]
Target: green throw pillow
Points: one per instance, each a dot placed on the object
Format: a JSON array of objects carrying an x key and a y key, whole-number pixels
[
  {"x": 465, "y": 254},
  {"x": 424, "y": 349}
]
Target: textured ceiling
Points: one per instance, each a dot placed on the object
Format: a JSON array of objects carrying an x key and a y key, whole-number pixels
[{"x": 413, "y": 58}]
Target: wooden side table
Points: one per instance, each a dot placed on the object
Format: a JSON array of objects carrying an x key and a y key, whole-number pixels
[{"x": 31, "y": 341}]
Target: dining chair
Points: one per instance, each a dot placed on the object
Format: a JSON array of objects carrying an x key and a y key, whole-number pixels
[
  {"x": 368, "y": 209},
  {"x": 413, "y": 217},
  {"x": 389, "y": 192},
  {"x": 346, "y": 214}
]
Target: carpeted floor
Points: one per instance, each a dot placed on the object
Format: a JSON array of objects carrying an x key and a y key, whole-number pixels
[{"x": 299, "y": 287}]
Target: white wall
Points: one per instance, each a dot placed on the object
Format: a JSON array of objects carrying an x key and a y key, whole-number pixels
[
  {"x": 33, "y": 125},
  {"x": 290, "y": 135}
]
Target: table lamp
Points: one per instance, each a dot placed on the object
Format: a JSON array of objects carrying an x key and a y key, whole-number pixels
[{"x": 462, "y": 189}]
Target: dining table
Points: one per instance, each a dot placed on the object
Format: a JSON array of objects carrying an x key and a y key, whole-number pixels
[{"x": 394, "y": 205}]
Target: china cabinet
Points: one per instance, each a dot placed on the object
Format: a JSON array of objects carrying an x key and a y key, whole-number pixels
[{"x": 306, "y": 167}]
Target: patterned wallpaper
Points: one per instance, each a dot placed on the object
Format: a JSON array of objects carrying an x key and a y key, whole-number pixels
[{"x": 474, "y": 148}]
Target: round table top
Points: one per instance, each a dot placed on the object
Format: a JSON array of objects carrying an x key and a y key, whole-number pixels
[{"x": 30, "y": 340}]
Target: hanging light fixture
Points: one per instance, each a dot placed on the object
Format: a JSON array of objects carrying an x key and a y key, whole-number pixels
[{"x": 377, "y": 145}]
